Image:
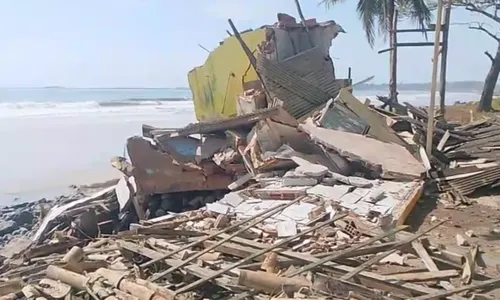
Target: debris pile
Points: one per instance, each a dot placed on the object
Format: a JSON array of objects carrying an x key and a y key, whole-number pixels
[
  {"x": 302, "y": 193},
  {"x": 464, "y": 157}
]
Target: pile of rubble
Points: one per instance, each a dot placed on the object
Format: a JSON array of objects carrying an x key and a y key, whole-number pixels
[
  {"x": 253, "y": 206},
  {"x": 303, "y": 194}
]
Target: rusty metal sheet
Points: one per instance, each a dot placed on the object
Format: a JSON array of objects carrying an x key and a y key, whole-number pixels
[{"x": 155, "y": 171}]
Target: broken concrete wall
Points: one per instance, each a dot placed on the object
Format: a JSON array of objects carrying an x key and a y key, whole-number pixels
[
  {"x": 156, "y": 172},
  {"x": 290, "y": 41}
]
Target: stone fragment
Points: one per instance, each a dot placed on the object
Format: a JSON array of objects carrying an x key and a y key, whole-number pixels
[
  {"x": 7, "y": 227},
  {"x": 470, "y": 233},
  {"x": 461, "y": 241}
]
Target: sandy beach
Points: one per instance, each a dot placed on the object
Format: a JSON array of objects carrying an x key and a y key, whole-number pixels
[{"x": 43, "y": 155}]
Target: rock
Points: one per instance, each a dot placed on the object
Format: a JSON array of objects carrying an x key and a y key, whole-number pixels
[
  {"x": 7, "y": 227},
  {"x": 22, "y": 217},
  {"x": 470, "y": 233},
  {"x": 461, "y": 241},
  {"x": 434, "y": 219},
  {"x": 20, "y": 231},
  {"x": 495, "y": 231}
]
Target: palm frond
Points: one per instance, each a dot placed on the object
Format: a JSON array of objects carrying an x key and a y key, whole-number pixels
[
  {"x": 378, "y": 13},
  {"x": 330, "y": 3},
  {"x": 367, "y": 11},
  {"x": 419, "y": 12}
]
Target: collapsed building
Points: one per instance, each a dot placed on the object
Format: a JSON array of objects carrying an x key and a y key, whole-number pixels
[{"x": 286, "y": 186}]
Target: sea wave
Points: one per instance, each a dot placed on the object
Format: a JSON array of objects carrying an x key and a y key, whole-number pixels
[
  {"x": 140, "y": 101},
  {"x": 71, "y": 108},
  {"x": 86, "y": 104}
]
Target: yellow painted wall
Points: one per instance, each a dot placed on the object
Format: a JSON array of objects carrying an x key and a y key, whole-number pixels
[{"x": 214, "y": 89}]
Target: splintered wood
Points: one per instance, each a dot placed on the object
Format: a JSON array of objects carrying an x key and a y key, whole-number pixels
[{"x": 235, "y": 262}]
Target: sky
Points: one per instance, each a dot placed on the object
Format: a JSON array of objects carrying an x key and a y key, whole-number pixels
[{"x": 154, "y": 43}]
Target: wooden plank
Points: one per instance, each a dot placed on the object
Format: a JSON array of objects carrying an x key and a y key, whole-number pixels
[
  {"x": 282, "y": 242},
  {"x": 424, "y": 256},
  {"x": 381, "y": 256},
  {"x": 423, "y": 276},
  {"x": 470, "y": 264},
  {"x": 366, "y": 278},
  {"x": 272, "y": 210},
  {"x": 191, "y": 269},
  {"x": 404, "y": 208},
  {"x": 442, "y": 294},
  {"x": 340, "y": 254},
  {"x": 443, "y": 140},
  {"x": 429, "y": 263},
  {"x": 267, "y": 213}
]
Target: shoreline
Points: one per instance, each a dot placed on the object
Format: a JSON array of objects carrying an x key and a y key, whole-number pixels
[{"x": 54, "y": 193}]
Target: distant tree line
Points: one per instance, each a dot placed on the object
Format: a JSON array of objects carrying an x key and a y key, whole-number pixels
[{"x": 451, "y": 86}]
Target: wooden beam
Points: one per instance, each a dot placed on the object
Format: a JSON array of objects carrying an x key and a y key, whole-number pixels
[
  {"x": 417, "y": 44},
  {"x": 432, "y": 103},
  {"x": 282, "y": 242},
  {"x": 381, "y": 256},
  {"x": 444, "y": 58},
  {"x": 443, "y": 294},
  {"x": 270, "y": 213},
  {"x": 415, "y": 30}
]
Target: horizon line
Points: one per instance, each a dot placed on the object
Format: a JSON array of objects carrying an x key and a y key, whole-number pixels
[{"x": 187, "y": 88}]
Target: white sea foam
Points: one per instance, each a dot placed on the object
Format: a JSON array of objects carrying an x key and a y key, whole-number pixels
[{"x": 41, "y": 109}]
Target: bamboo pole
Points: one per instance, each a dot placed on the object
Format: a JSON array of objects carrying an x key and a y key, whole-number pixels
[{"x": 432, "y": 104}]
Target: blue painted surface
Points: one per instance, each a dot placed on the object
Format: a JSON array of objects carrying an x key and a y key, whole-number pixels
[{"x": 185, "y": 146}]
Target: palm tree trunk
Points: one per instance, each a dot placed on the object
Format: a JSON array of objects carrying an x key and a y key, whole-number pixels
[
  {"x": 392, "y": 25},
  {"x": 490, "y": 83}
]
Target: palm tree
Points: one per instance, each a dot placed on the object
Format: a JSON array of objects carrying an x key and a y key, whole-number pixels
[{"x": 378, "y": 14}]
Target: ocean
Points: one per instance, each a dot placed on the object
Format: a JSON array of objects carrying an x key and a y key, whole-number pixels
[{"x": 57, "y": 137}]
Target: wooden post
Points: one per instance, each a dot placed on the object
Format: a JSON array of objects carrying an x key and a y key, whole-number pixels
[
  {"x": 393, "y": 94},
  {"x": 432, "y": 104},
  {"x": 444, "y": 58}
]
